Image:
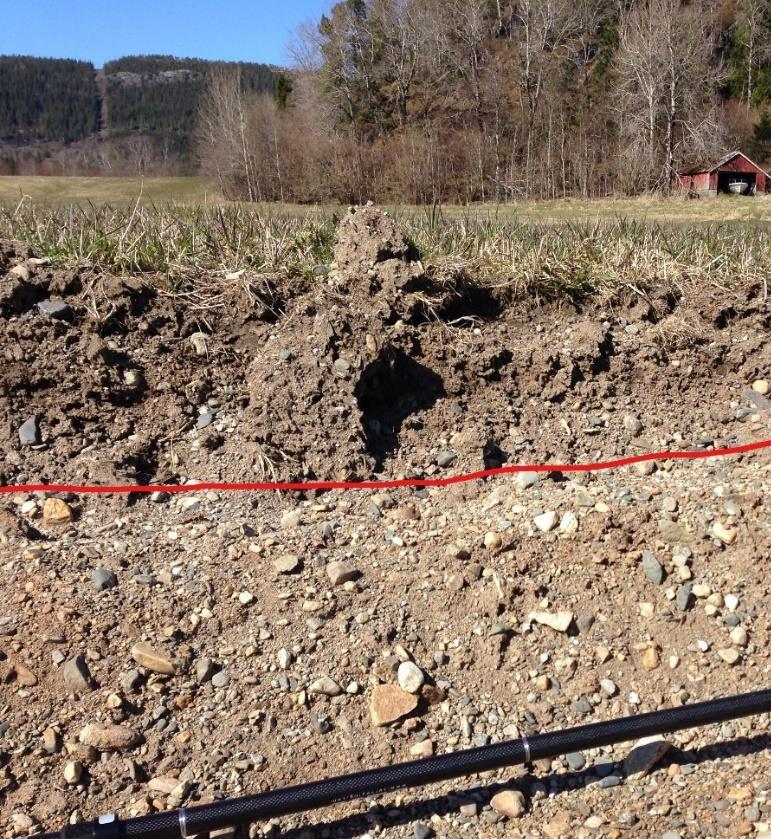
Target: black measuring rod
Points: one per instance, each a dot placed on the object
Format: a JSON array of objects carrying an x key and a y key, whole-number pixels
[{"x": 179, "y": 824}]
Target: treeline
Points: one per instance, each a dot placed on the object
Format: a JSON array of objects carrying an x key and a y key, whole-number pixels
[
  {"x": 159, "y": 96},
  {"x": 144, "y": 108},
  {"x": 47, "y": 99},
  {"x": 468, "y": 100}
]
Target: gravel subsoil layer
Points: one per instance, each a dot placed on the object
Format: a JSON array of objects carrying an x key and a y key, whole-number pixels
[{"x": 166, "y": 650}]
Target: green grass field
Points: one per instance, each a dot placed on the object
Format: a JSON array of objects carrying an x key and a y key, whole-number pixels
[
  {"x": 120, "y": 192},
  {"x": 55, "y": 191},
  {"x": 179, "y": 229}
]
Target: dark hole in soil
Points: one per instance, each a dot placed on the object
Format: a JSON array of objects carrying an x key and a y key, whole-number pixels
[
  {"x": 472, "y": 302},
  {"x": 601, "y": 364},
  {"x": 463, "y": 302},
  {"x": 391, "y": 389},
  {"x": 22, "y": 297},
  {"x": 724, "y": 317},
  {"x": 493, "y": 455}
]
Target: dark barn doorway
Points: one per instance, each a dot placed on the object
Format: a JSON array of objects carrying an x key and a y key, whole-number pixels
[{"x": 725, "y": 179}]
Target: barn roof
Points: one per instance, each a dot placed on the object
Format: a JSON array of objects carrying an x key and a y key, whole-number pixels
[{"x": 697, "y": 170}]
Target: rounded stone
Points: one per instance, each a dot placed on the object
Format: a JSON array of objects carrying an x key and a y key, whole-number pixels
[
  {"x": 410, "y": 677},
  {"x": 221, "y": 679},
  {"x": 103, "y": 579}
]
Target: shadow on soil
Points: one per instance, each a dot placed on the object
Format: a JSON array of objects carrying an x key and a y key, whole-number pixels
[
  {"x": 558, "y": 783},
  {"x": 391, "y": 389}
]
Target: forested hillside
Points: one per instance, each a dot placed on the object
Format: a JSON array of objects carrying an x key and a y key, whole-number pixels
[
  {"x": 144, "y": 107},
  {"x": 47, "y": 99},
  {"x": 159, "y": 96},
  {"x": 466, "y": 100}
]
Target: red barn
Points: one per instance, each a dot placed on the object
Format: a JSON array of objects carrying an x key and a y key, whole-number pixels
[{"x": 735, "y": 173}]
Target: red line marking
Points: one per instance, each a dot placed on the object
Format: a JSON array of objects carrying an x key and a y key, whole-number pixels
[{"x": 393, "y": 484}]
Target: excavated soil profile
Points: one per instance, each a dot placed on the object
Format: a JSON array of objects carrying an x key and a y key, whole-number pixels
[
  {"x": 377, "y": 370},
  {"x": 164, "y": 650}
]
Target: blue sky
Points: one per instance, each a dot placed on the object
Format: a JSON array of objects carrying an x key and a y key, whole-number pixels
[{"x": 98, "y": 30}]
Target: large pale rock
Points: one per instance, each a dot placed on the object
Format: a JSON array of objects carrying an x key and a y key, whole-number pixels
[
  {"x": 546, "y": 521},
  {"x": 163, "y": 783},
  {"x": 56, "y": 511},
  {"x": 107, "y": 737},
  {"x": 152, "y": 659},
  {"x": 410, "y": 677},
  {"x": 727, "y": 535},
  {"x": 390, "y": 703},
  {"x": 510, "y": 802},
  {"x": 340, "y": 572},
  {"x": 325, "y": 686},
  {"x": 286, "y": 563},
  {"x": 559, "y": 622}
]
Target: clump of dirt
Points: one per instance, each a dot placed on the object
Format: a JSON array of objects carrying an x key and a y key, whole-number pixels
[
  {"x": 379, "y": 368},
  {"x": 333, "y": 404}
]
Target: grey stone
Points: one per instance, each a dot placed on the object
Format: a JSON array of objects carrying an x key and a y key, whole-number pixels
[
  {"x": 203, "y": 669},
  {"x": 57, "y": 309},
  {"x": 584, "y": 499},
  {"x": 584, "y": 706},
  {"x": 77, "y": 676},
  {"x": 421, "y": 831},
  {"x": 445, "y": 459},
  {"x": 584, "y": 622},
  {"x": 609, "y": 687},
  {"x": 29, "y": 432},
  {"x": 524, "y": 480},
  {"x": 322, "y": 725},
  {"x": 757, "y": 399},
  {"x": 645, "y": 756},
  {"x": 575, "y": 760},
  {"x": 221, "y": 679},
  {"x": 204, "y": 420},
  {"x": 633, "y": 425},
  {"x": 131, "y": 681},
  {"x": 603, "y": 766},
  {"x": 325, "y": 686},
  {"x": 752, "y": 813},
  {"x": 610, "y": 781},
  {"x": 103, "y": 579},
  {"x": 653, "y": 568},
  {"x": 627, "y": 819},
  {"x": 732, "y": 508},
  {"x": 684, "y": 599}
]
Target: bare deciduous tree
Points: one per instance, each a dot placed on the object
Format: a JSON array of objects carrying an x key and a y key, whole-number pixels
[{"x": 667, "y": 88}]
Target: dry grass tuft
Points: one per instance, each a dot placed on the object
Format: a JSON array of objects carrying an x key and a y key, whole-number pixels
[{"x": 198, "y": 246}]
